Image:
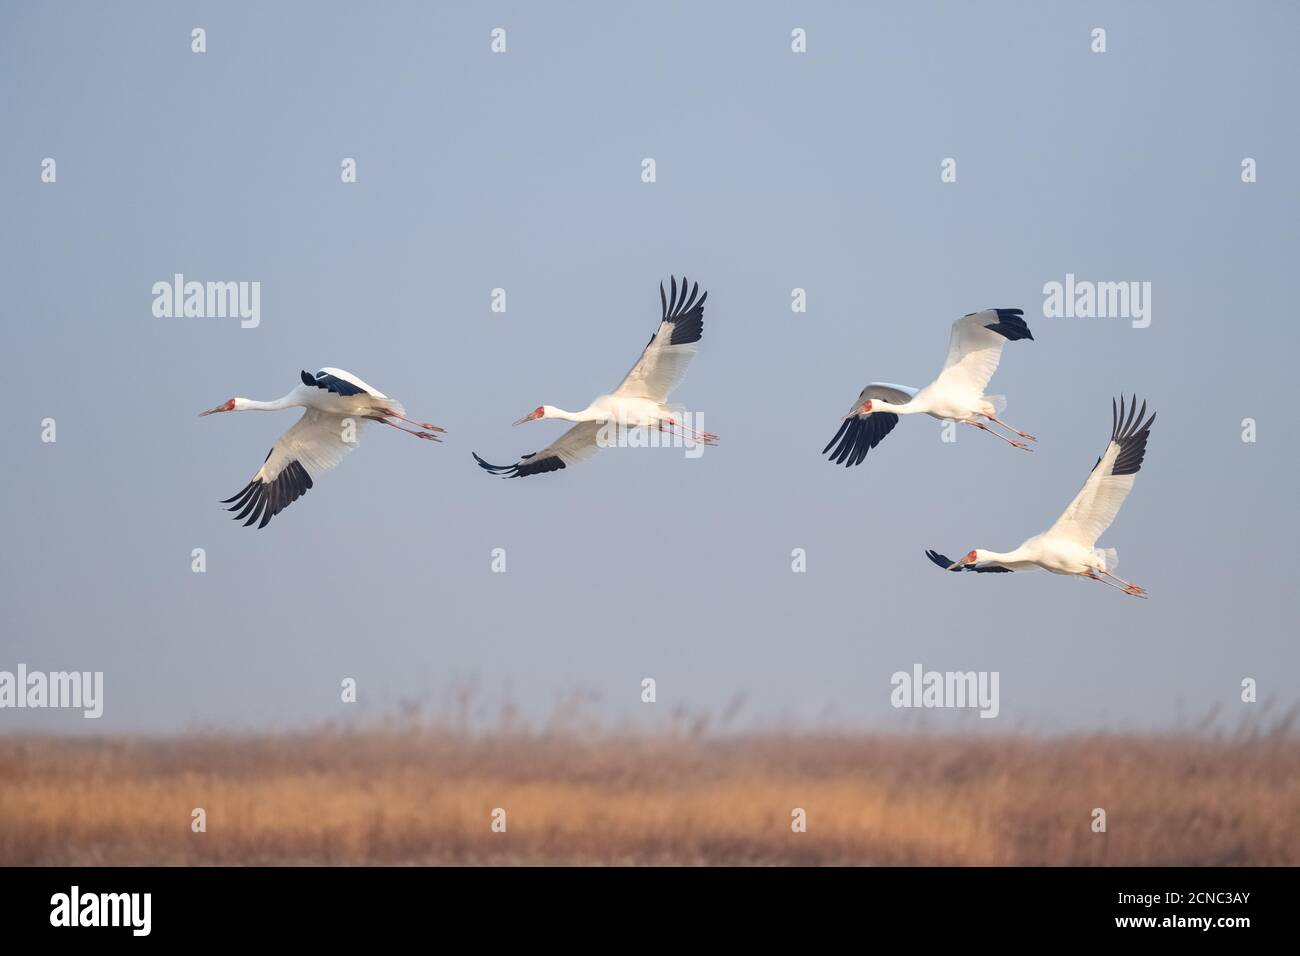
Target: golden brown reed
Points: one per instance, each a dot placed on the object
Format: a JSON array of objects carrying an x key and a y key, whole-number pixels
[{"x": 421, "y": 795}]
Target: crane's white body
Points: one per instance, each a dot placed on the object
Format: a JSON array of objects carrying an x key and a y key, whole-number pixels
[
  {"x": 369, "y": 399},
  {"x": 1049, "y": 552},
  {"x": 944, "y": 401},
  {"x": 634, "y": 411}
]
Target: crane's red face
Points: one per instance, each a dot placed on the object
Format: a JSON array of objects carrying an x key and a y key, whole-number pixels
[
  {"x": 225, "y": 407},
  {"x": 866, "y": 407},
  {"x": 969, "y": 559},
  {"x": 535, "y": 414}
]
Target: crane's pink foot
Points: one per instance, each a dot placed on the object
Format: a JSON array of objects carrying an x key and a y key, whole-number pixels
[
  {"x": 1135, "y": 590},
  {"x": 1020, "y": 444},
  {"x": 429, "y": 436},
  {"x": 431, "y": 427}
]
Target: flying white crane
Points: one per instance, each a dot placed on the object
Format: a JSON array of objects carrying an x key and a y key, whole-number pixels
[
  {"x": 640, "y": 399},
  {"x": 1069, "y": 546},
  {"x": 336, "y": 403},
  {"x": 957, "y": 395}
]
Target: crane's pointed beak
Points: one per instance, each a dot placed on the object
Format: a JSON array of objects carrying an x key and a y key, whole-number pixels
[
  {"x": 213, "y": 411},
  {"x": 955, "y": 566},
  {"x": 526, "y": 418}
]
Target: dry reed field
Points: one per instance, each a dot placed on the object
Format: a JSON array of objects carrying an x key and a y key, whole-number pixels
[{"x": 422, "y": 795}]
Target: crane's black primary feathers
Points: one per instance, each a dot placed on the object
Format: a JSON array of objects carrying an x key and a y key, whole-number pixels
[
  {"x": 686, "y": 313},
  {"x": 332, "y": 383},
  {"x": 858, "y": 435},
  {"x": 265, "y": 500},
  {"x": 1131, "y": 435},
  {"x": 1010, "y": 324},
  {"x": 525, "y": 467},
  {"x": 943, "y": 561}
]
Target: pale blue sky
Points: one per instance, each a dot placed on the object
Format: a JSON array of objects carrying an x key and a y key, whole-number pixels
[{"x": 522, "y": 171}]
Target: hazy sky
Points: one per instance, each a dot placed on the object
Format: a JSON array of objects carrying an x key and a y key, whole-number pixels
[{"x": 522, "y": 170}]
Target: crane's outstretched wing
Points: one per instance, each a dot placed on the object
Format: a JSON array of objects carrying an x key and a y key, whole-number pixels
[
  {"x": 1098, "y": 501},
  {"x": 315, "y": 443},
  {"x": 663, "y": 363},
  {"x": 945, "y": 562},
  {"x": 860, "y": 433},
  {"x": 975, "y": 347},
  {"x": 575, "y": 445}
]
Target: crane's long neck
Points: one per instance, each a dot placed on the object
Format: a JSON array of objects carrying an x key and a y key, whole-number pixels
[
  {"x": 586, "y": 415},
  {"x": 909, "y": 409},
  {"x": 252, "y": 405},
  {"x": 1003, "y": 557}
]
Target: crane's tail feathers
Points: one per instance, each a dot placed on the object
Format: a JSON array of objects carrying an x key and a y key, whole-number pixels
[
  {"x": 1108, "y": 557},
  {"x": 999, "y": 403}
]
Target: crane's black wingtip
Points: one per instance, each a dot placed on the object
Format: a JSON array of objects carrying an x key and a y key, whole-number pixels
[
  {"x": 261, "y": 500},
  {"x": 1130, "y": 431},
  {"x": 941, "y": 561},
  {"x": 683, "y": 307},
  {"x": 1011, "y": 325},
  {"x": 240, "y": 494},
  {"x": 859, "y": 434},
  {"x": 502, "y": 471}
]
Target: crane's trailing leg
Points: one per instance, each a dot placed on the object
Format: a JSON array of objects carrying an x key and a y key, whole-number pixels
[
  {"x": 427, "y": 425},
  {"x": 670, "y": 428},
  {"x": 1010, "y": 441},
  {"x": 1132, "y": 589},
  {"x": 429, "y": 436},
  {"x": 1129, "y": 587},
  {"x": 1010, "y": 428},
  {"x": 704, "y": 438},
  {"x": 1096, "y": 577}
]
